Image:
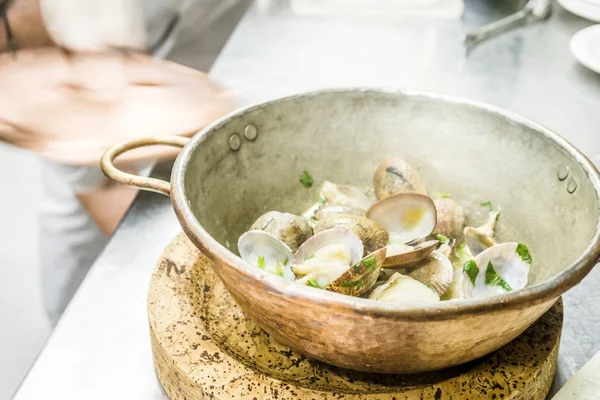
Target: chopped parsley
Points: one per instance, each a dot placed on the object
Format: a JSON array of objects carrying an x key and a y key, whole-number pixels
[
  {"x": 286, "y": 261},
  {"x": 306, "y": 179},
  {"x": 492, "y": 278},
  {"x": 487, "y": 204},
  {"x": 472, "y": 270},
  {"x": 443, "y": 195},
  {"x": 370, "y": 263},
  {"x": 313, "y": 283},
  {"x": 261, "y": 262},
  {"x": 322, "y": 199},
  {"x": 523, "y": 252},
  {"x": 352, "y": 284},
  {"x": 441, "y": 238},
  {"x": 279, "y": 270}
]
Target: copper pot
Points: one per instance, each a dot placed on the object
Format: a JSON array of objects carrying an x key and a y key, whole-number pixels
[{"x": 249, "y": 162}]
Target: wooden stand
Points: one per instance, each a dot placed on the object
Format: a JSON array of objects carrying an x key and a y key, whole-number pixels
[{"x": 204, "y": 347}]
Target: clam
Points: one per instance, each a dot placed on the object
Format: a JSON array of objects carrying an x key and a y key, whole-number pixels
[
  {"x": 361, "y": 277},
  {"x": 267, "y": 252},
  {"x": 328, "y": 211},
  {"x": 373, "y": 235},
  {"x": 435, "y": 272},
  {"x": 406, "y": 216},
  {"x": 480, "y": 238},
  {"x": 329, "y": 237},
  {"x": 291, "y": 229},
  {"x": 403, "y": 289},
  {"x": 396, "y": 176},
  {"x": 450, "y": 218},
  {"x": 499, "y": 269},
  {"x": 400, "y": 255},
  {"x": 344, "y": 195}
]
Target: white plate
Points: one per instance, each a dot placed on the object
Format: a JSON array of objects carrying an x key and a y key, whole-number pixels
[
  {"x": 588, "y": 9},
  {"x": 585, "y": 46}
]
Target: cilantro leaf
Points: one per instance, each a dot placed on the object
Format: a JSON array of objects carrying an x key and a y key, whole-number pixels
[
  {"x": 352, "y": 284},
  {"x": 370, "y": 263},
  {"x": 286, "y": 261},
  {"x": 306, "y": 179},
  {"x": 313, "y": 283},
  {"x": 443, "y": 195},
  {"x": 487, "y": 204},
  {"x": 523, "y": 252},
  {"x": 261, "y": 262},
  {"x": 492, "y": 278},
  {"x": 441, "y": 238},
  {"x": 322, "y": 200},
  {"x": 472, "y": 270}
]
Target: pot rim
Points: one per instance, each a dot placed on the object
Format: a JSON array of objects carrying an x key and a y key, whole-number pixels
[{"x": 540, "y": 293}]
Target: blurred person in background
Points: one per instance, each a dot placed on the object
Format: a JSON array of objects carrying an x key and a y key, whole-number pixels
[{"x": 79, "y": 76}]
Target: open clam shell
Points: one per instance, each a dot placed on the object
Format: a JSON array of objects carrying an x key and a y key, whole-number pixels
[
  {"x": 481, "y": 238},
  {"x": 499, "y": 269},
  {"x": 406, "y": 216},
  {"x": 435, "y": 272},
  {"x": 291, "y": 229},
  {"x": 403, "y": 289},
  {"x": 373, "y": 235},
  {"x": 328, "y": 237},
  {"x": 344, "y": 195},
  {"x": 399, "y": 256},
  {"x": 267, "y": 252},
  {"x": 394, "y": 176},
  {"x": 360, "y": 277}
]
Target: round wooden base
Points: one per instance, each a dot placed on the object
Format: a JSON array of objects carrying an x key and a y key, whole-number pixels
[{"x": 204, "y": 347}]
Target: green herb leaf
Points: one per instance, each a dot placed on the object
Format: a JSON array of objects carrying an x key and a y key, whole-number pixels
[
  {"x": 523, "y": 251},
  {"x": 472, "y": 270},
  {"x": 487, "y": 204},
  {"x": 286, "y": 261},
  {"x": 492, "y": 278},
  {"x": 352, "y": 284},
  {"x": 261, "y": 262},
  {"x": 441, "y": 238},
  {"x": 279, "y": 270},
  {"x": 322, "y": 199},
  {"x": 306, "y": 179},
  {"x": 443, "y": 195},
  {"x": 370, "y": 263},
  {"x": 313, "y": 283}
]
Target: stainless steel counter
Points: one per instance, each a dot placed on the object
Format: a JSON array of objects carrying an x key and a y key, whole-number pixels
[{"x": 101, "y": 348}]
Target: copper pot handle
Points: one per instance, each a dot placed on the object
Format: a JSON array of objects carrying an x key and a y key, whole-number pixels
[{"x": 154, "y": 185}]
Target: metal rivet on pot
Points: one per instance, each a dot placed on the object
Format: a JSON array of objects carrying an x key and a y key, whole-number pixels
[
  {"x": 235, "y": 142},
  {"x": 572, "y": 184},
  {"x": 562, "y": 172},
  {"x": 251, "y": 132}
]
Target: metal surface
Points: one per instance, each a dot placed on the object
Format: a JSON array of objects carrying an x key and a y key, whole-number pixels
[
  {"x": 534, "y": 11},
  {"x": 101, "y": 348}
]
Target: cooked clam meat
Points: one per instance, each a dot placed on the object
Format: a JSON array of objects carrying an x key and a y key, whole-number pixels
[{"x": 403, "y": 289}]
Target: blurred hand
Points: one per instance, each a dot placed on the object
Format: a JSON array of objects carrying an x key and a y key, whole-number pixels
[{"x": 72, "y": 107}]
